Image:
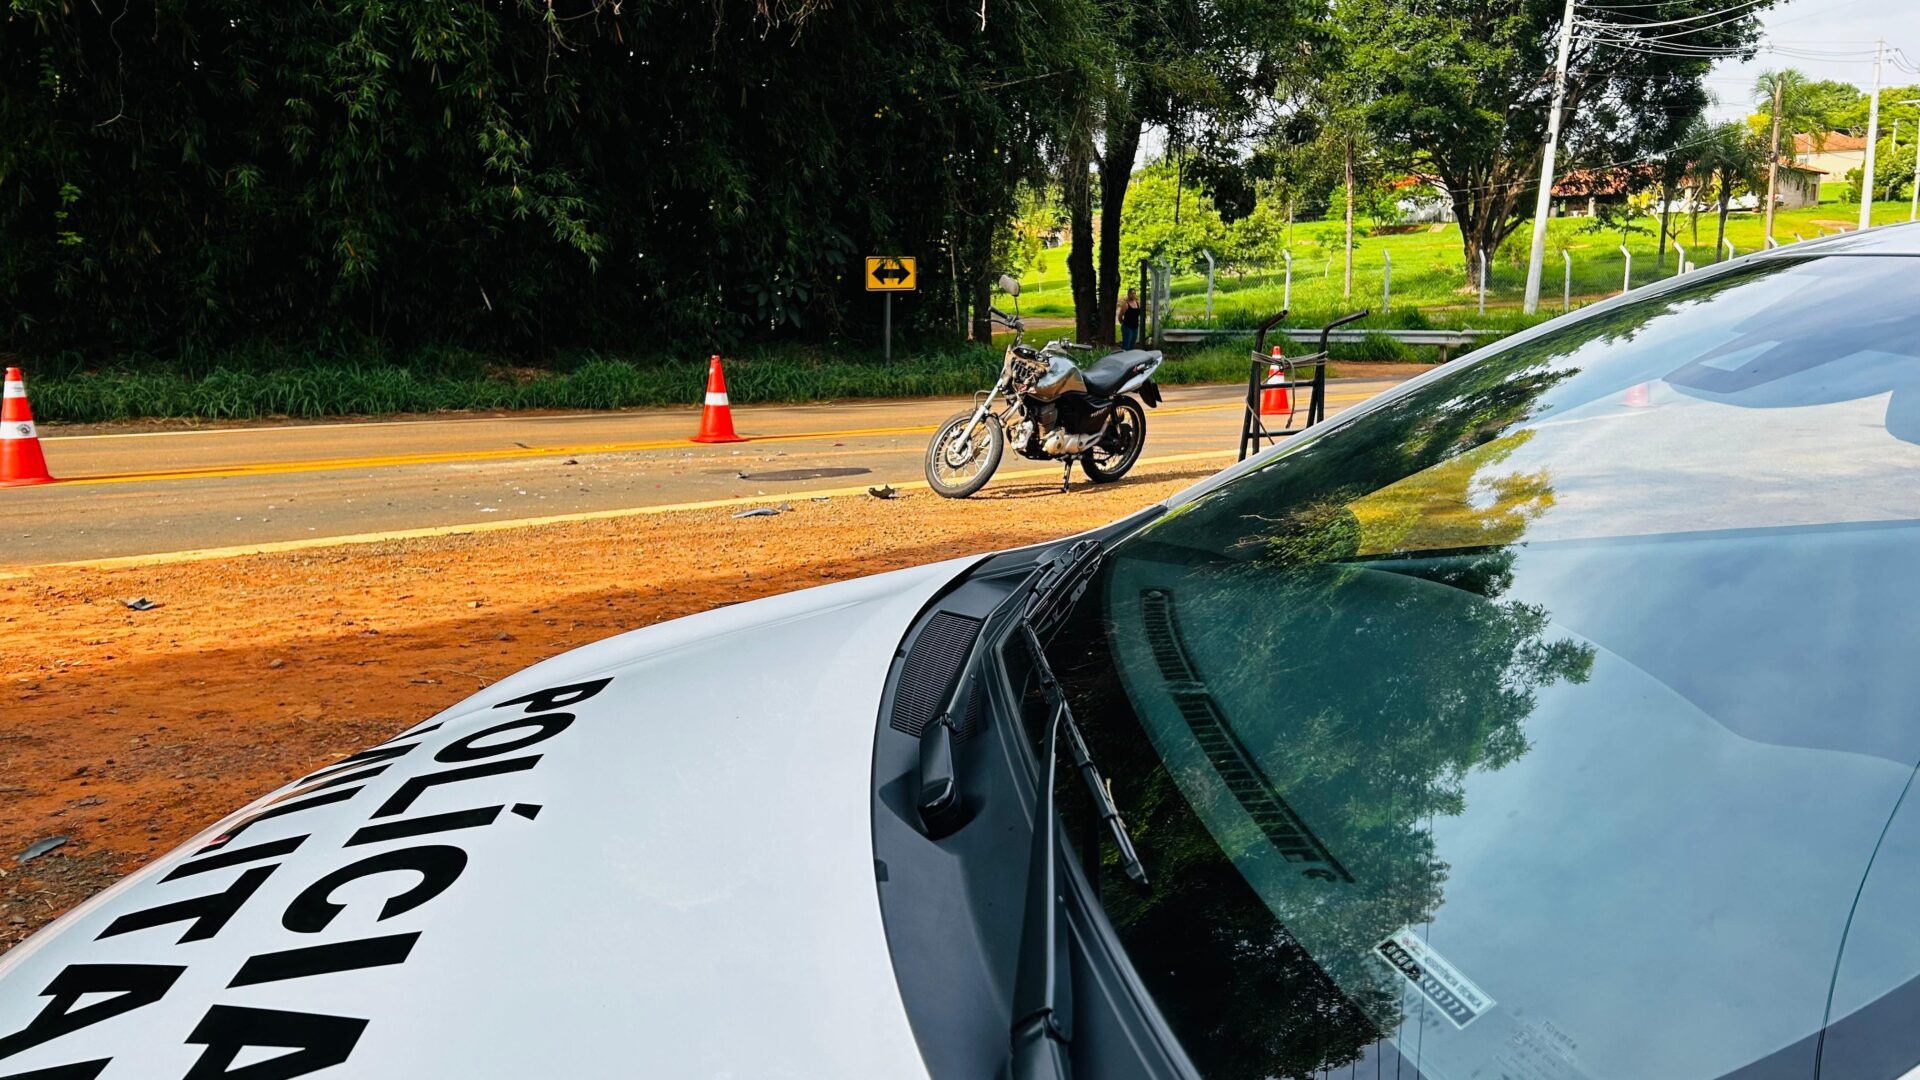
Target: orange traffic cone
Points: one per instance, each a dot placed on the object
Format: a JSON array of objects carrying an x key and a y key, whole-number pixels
[
  {"x": 1273, "y": 398},
  {"x": 21, "y": 462},
  {"x": 716, "y": 420}
]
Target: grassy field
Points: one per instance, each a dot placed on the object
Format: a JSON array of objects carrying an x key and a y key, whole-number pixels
[{"x": 1430, "y": 285}]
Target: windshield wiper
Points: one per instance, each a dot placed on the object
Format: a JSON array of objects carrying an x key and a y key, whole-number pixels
[
  {"x": 1050, "y": 593},
  {"x": 1043, "y": 984}
]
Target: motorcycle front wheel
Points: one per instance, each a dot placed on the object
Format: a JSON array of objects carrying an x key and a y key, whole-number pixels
[
  {"x": 1118, "y": 450},
  {"x": 956, "y": 466}
]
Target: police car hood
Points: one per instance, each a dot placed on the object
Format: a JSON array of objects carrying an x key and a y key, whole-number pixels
[{"x": 648, "y": 857}]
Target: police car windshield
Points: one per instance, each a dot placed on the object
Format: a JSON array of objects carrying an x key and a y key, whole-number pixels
[{"x": 1546, "y": 720}]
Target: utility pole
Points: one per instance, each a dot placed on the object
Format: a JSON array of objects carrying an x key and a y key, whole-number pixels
[
  {"x": 1773, "y": 153},
  {"x": 1873, "y": 136},
  {"x": 1536, "y": 262},
  {"x": 1913, "y": 208}
]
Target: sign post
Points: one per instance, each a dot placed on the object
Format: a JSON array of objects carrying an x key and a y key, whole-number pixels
[{"x": 889, "y": 274}]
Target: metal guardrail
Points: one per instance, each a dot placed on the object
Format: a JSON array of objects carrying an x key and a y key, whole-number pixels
[{"x": 1446, "y": 339}]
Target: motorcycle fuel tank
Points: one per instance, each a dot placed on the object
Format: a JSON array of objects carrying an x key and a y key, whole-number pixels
[{"x": 1062, "y": 377}]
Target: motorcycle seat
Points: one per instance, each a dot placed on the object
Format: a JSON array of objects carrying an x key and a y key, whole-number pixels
[{"x": 1106, "y": 375}]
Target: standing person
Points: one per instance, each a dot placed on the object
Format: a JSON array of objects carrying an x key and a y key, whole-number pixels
[{"x": 1129, "y": 320}]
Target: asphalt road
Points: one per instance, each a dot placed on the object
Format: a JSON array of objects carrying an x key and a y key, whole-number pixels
[{"x": 130, "y": 494}]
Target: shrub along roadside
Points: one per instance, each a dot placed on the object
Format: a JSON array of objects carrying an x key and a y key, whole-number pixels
[{"x": 233, "y": 388}]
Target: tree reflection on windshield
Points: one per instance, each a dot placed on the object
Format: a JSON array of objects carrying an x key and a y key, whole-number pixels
[{"x": 1363, "y": 686}]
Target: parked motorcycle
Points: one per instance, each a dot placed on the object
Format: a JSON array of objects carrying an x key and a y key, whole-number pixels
[{"x": 1051, "y": 409}]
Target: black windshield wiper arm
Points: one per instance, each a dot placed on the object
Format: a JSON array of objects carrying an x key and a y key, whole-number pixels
[
  {"x": 1052, "y": 587},
  {"x": 1043, "y": 984}
]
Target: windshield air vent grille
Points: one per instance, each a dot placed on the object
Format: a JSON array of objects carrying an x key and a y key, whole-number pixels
[
  {"x": 1228, "y": 755},
  {"x": 926, "y": 678}
]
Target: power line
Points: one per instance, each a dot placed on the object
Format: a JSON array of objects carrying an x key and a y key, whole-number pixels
[{"x": 1750, "y": 4}]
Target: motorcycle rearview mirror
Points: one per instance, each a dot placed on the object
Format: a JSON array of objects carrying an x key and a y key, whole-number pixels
[{"x": 1010, "y": 285}]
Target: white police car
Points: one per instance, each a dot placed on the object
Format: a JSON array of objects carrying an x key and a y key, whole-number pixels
[{"x": 1553, "y": 716}]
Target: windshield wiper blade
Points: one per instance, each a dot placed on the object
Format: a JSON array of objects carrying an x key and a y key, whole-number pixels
[
  {"x": 1043, "y": 984},
  {"x": 1061, "y": 581},
  {"x": 1059, "y": 578}
]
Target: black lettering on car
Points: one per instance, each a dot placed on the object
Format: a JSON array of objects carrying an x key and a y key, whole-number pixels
[
  {"x": 439, "y": 866},
  {"x": 318, "y": 1041},
  {"x": 422, "y": 826},
  {"x": 135, "y": 986},
  {"x": 324, "y": 799},
  {"x": 272, "y": 849},
  {"x": 415, "y": 786},
  {"x": 557, "y": 697},
  {"x": 545, "y": 726},
  {"x": 334, "y": 780},
  {"x": 386, "y": 752},
  {"x": 207, "y": 913},
  {"x": 325, "y": 959},
  {"x": 79, "y": 1070}
]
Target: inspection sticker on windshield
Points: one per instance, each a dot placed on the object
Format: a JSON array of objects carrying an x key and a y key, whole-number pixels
[{"x": 1452, "y": 993}]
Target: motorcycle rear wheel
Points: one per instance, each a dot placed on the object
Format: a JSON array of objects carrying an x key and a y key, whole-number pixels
[
  {"x": 956, "y": 470},
  {"x": 1117, "y": 451}
]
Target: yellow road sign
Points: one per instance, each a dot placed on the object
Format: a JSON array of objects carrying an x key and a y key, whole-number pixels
[{"x": 892, "y": 273}]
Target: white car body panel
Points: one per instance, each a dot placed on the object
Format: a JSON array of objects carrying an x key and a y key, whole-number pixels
[{"x": 694, "y": 897}]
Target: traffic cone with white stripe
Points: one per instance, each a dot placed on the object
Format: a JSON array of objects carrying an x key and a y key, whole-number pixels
[
  {"x": 716, "y": 420},
  {"x": 1273, "y": 393},
  {"x": 21, "y": 462}
]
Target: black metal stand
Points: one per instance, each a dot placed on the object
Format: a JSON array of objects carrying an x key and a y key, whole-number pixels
[{"x": 1253, "y": 429}]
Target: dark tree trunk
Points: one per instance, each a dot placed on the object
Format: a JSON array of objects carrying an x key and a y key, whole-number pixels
[
  {"x": 980, "y": 278},
  {"x": 1726, "y": 199},
  {"x": 1484, "y": 207},
  {"x": 1666, "y": 214},
  {"x": 1116, "y": 168},
  {"x": 1079, "y": 195}
]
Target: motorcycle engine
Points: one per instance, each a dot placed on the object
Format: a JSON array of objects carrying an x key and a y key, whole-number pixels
[
  {"x": 1073, "y": 425},
  {"x": 1061, "y": 443}
]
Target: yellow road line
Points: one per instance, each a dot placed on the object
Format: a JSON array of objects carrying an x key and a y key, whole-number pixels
[
  {"x": 444, "y": 457},
  {"x": 272, "y": 547}
]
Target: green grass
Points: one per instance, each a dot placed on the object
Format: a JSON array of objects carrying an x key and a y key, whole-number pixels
[
  {"x": 1430, "y": 286},
  {"x": 237, "y": 388},
  {"x": 234, "y": 388}
]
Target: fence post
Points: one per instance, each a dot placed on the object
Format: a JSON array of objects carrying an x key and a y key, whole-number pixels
[
  {"x": 1566, "y": 285},
  {"x": 1209, "y": 256},
  {"x": 1286, "y": 295},
  {"x": 1772, "y": 243},
  {"x": 1680, "y": 267},
  {"x": 1626, "y": 279},
  {"x": 1728, "y": 244},
  {"x": 1386, "y": 284},
  {"x": 1483, "y": 281},
  {"x": 1798, "y": 239}
]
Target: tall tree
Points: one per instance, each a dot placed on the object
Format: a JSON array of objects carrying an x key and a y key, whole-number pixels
[
  {"x": 1729, "y": 159},
  {"x": 1199, "y": 70},
  {"x": 1465, "y": 87},
  {"x": 518, "y": 174}
]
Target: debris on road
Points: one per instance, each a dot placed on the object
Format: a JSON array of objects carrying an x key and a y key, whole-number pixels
[
  {"x": 758, "y": 511},
  {"x": 140, "y": 603},
  {"x": 884, "y": 492},
  {"x": 41, "y": 847}
]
